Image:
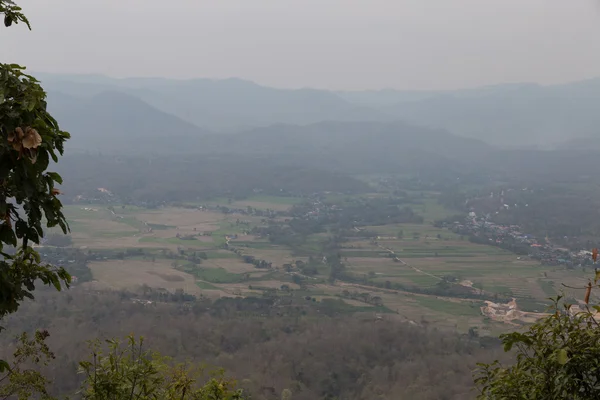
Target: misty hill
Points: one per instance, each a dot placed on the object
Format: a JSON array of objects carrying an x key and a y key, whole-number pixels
[
  {"x": 117, "y": 122},
  {"x": 512, "y": 115},
  {"x": 508, "y": 115},
  {"x": 222, "y": 105},
  {"x": 288, "y": 159},
  {"x": 359, "y": 146},
  {"x": 588, "y": 143}
]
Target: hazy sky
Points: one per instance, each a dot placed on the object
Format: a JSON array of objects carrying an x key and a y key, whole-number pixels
[{"x": 337, "y": 44}]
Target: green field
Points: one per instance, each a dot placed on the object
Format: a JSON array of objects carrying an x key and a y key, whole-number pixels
[
  {"x": 206, "y": 285},
  {"x": 213, "y": 275},
  {"x": 466, "y": 308},
  {"x": 426, "y": 257}
]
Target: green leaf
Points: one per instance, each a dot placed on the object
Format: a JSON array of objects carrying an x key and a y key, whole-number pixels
[
  {"x": 562, "y": 357},
  {"x": 597, "y": 276},
  {"x": 56, "y": 283},
  {"x": 55, "y": 177},
  {"x": 7, "y": 235},
  {"x": 21, "y": 228},
  {"x": 4, "y": 366}
]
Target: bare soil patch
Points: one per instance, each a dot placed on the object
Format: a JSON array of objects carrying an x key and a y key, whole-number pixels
[
  {"x": 128, "y": 274},
  {"x": 182, "y": 217}
]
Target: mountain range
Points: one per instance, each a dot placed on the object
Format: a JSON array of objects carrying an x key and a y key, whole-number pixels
[{"x": 147, "y": 113}]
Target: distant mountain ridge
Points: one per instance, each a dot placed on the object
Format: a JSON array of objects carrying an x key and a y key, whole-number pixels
[
  {"x": 221, "y": 105},
  {"x": 512, "y": 115},
  {"x": 508, "y": 115},
  {"x": 117, "y": 122}
]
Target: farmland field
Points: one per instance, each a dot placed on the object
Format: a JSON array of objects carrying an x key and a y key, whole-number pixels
[
  {"x": 418, "y": 272},
  {"x": 130, "y": 273}
]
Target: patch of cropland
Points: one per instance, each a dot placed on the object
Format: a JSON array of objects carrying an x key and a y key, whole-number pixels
[{"x": 378, "y": 253}]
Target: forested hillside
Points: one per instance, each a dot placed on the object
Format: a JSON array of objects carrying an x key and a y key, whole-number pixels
[{"x": 265, "y": 346}]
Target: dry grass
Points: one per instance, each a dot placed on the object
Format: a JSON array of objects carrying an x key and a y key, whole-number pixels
[
  {"x": 182, "y": 217},
  {"x": 114, "y": 243},
  {"x": 130, "y": 274}
]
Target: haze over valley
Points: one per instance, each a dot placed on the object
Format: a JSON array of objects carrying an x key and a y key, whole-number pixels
[{"x": 327, "y": 200}]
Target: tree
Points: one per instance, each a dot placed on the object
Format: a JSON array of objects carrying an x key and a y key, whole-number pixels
[
  {"x": 30, "y": 139},
  {"x": 20, "y": 379},
  {"x": 556, "y": 358},
  {"x": 129, "y": 371}
]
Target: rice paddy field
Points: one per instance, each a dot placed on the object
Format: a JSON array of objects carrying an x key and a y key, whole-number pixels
[{"x": 414, "y": 256}]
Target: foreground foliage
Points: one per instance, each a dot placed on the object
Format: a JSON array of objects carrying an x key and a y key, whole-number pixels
[
  {"x": 22, "y": 378},
  {"x": 556, "y": 358},
  {"x": 129, "y": 371},
  {"x": 29, "y": 139},
  {"x": 269, "y": 348},
  {"x": 115, "y": 371}
]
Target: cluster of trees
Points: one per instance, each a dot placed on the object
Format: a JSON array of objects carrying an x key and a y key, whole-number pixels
[
  {"x": 114, "y": 370},
  {"x": 310, "y": 267},
  {"x": 267, "y": 348},
  {"x": 560, "y": 211},
  {"x": 156, "y": 179},
  {"x": 257, "y": 262},
  {"x": 361, "y": 212},
  {"x": 363, "y": 296},
  {"x": 293, "y": 234}
]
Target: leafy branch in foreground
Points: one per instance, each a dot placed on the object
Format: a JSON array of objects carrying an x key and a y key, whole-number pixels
[
  {"x": 556, "y": 358},
  {"x": 12, "y": 13},
  {"x": 16, "y": 379},
  {"x": 29, "y": 139},
  {"x": 129, "y": 371}
]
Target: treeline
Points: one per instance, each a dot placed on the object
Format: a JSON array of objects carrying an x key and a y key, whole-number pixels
[
  {"x": 566, "y": 213},
  {"x": 508, "y": 243},
  {"x": 153, "y": 180},
  {"x": 266, "y": 347},
  {"x": 359, "y": 212},
  {"x": 76, "y": 261}
]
